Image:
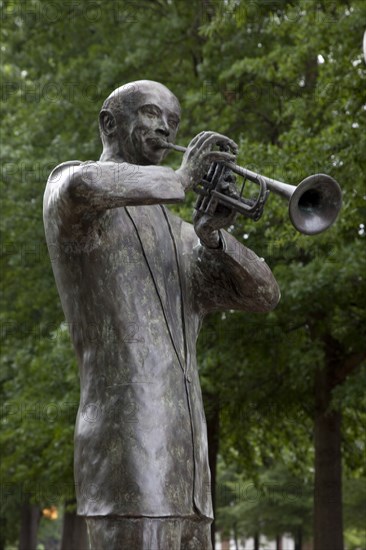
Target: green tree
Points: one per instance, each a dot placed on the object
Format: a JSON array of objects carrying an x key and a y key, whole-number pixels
[
  {"x": 278, "y": 503},
  {"x": 307, "y": 107}
]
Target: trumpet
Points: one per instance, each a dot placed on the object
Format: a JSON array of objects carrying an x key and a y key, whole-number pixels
[{"x": 313, "y": 204}]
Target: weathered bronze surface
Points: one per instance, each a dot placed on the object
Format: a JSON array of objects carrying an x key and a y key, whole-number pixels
[{"x": 135, "y": 282}]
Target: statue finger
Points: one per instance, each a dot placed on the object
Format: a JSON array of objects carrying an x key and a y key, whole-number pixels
[
  {"x": 200, "y": 138},
  {"x": 214, "y": 138},
  {"x": 218, "y": 156}
]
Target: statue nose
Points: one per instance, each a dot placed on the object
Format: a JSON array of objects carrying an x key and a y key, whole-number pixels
[{"x": 162, "y": 128}]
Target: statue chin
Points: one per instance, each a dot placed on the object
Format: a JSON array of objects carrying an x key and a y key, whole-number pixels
[
  {"x": 139, "y": 148},
  {"x": 145, "y": 154}
]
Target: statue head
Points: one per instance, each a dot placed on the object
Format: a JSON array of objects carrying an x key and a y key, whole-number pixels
[{"x": 134, "y": 118}]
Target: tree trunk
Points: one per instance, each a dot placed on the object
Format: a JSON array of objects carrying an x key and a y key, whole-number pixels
[
  {"x": 279, "y": 542},
  {"x": 236, "y": 541},
  {"x": 328, "y": 521},
  {"x": 298, "y": 541},
  {"x": 213, "y": 428},
  {"x": 30, "y": 516},
  {"x": 74, "y": 532},
  {"x": 2, "y": 533},
  {"x": 256, "y": 541}
]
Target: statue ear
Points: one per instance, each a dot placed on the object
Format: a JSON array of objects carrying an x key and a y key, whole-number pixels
[{"x": 107, "y": 122}]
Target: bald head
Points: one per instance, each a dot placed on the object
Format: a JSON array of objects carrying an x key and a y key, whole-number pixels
[
  {"x": 136, "y": 113},
  {"x": 125, "y": 97}
]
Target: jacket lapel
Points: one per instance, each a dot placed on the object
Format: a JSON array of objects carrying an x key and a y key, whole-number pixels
[{"x": 158, "y": 249}]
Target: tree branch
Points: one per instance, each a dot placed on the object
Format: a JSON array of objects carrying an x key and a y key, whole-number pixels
[{"x": 351, "y": 363}]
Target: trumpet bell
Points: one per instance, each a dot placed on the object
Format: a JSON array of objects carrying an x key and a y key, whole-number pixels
[{"x": 315, "y": 203}]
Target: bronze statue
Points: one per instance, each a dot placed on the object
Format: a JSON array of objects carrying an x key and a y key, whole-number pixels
[{"x": 135, "y": 282}]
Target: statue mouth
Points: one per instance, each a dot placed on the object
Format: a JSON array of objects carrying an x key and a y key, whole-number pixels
[{"x": 156, "y": 143}]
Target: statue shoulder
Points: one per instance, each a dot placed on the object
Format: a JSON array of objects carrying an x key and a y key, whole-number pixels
[
  {"x": 57, "y": 184},
  {"x": 62, "y": 170}
]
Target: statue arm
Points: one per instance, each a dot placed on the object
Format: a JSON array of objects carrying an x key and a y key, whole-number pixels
[
  {"x": 104, "y": 185},
  {"x": 233, "y": 277}
]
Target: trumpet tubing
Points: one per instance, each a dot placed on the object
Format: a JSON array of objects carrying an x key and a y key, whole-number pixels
[{"x": 313, "y": 205}]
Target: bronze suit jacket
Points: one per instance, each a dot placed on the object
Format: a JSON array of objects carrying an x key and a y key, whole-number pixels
[{"x": 135, "y": 284}]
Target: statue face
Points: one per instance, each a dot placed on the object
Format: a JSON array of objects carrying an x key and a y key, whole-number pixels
[{"x": 153, "y": 114}]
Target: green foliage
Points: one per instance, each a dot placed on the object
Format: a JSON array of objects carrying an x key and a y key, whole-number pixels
[
  {"x": 280, "y": 502},
  {"x": 37, "y": 421},
  {"x": 277, "y": 503},
  {"x": 294, "y": 101}
]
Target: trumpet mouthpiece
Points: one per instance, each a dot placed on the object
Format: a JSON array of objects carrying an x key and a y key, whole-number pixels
[{"x": 167, "y": 145}]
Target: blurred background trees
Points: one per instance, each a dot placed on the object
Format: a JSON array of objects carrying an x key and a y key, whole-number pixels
[{"x": 285, "y": 392}]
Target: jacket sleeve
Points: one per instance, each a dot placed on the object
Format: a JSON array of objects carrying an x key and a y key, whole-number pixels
[
  {"x": 94, "y": 186},
  {"x": 232, "y": 277}
]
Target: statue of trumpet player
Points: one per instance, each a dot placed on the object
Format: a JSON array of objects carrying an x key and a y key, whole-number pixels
[{"x": 135, "y": 282}]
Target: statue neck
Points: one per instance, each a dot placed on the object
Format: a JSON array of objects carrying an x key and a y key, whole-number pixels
[
  {"x": 111, "y": 153},
  {"x": 107, "y": 157}
]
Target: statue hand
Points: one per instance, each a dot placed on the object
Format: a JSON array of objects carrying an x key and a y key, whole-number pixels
[
  {"x": 200, "y": 154},
  {"x": 207, "y": 226}
]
